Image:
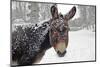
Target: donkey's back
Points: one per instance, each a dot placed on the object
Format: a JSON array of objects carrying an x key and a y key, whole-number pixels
[{"x": 30, "y": 44}]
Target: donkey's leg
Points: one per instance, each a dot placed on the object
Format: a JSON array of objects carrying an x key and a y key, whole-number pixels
[
  {"x": 40, "y": 56},
  {"x": 25, "y": 60},
  {"x": 29, "y": 59}
]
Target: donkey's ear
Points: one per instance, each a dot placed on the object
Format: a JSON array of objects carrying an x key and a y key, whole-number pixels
[
  {"x": 54, "y": 11},
  {"x": 71, "y": 13}
]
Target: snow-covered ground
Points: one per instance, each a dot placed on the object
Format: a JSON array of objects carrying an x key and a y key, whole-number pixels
[{"x": 81, "y": 48}]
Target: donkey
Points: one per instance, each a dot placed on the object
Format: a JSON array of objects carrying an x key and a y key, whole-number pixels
[
  {"x": 59, "y": 30},
  {"x": 30, "y": 44}
]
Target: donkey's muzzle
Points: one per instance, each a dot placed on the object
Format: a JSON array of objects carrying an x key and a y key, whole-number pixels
[{"x": 61, "y": 54}]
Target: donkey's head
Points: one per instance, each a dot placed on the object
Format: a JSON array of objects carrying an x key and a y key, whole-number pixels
[{"x": 59, "y": 30}]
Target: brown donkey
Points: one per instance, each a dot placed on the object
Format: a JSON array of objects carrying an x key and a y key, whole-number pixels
[{"x": 59, "y": 30}]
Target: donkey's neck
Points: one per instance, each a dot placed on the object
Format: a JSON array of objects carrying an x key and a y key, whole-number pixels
[{"x": 43, "y": 33}]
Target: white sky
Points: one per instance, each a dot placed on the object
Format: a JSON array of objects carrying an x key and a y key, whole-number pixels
[{"x": 66, "y": 8}]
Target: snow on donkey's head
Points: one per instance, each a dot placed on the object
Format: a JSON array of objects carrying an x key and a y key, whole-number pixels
[{"x": 59, "y": 30}]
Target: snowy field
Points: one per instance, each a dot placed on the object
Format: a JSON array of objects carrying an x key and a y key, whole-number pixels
[{"x": 81, "y": 48}]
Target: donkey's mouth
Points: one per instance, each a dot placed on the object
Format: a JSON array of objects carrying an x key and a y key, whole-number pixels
[
  {"x": 61, "y": 54},
  {"x": 61, "y": 48}
]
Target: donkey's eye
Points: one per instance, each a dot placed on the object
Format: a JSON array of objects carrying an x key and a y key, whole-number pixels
[{"x": 64, "y": 29}]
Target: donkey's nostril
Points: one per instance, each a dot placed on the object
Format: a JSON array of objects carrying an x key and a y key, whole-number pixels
[
  {"x": 61, "y": 54},
  {"x": 64, "y": 52},
  {"x": 58, "y": 52}
]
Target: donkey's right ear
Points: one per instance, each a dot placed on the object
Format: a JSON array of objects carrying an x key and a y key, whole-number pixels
[
  {"x": 54, "y": 11},
  {"x": 71, "y": 13}
]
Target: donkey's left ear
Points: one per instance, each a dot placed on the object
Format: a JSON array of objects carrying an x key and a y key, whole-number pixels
[
  {"x": 54, "y": 11},
  {"x": 71, "y": 13}
]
